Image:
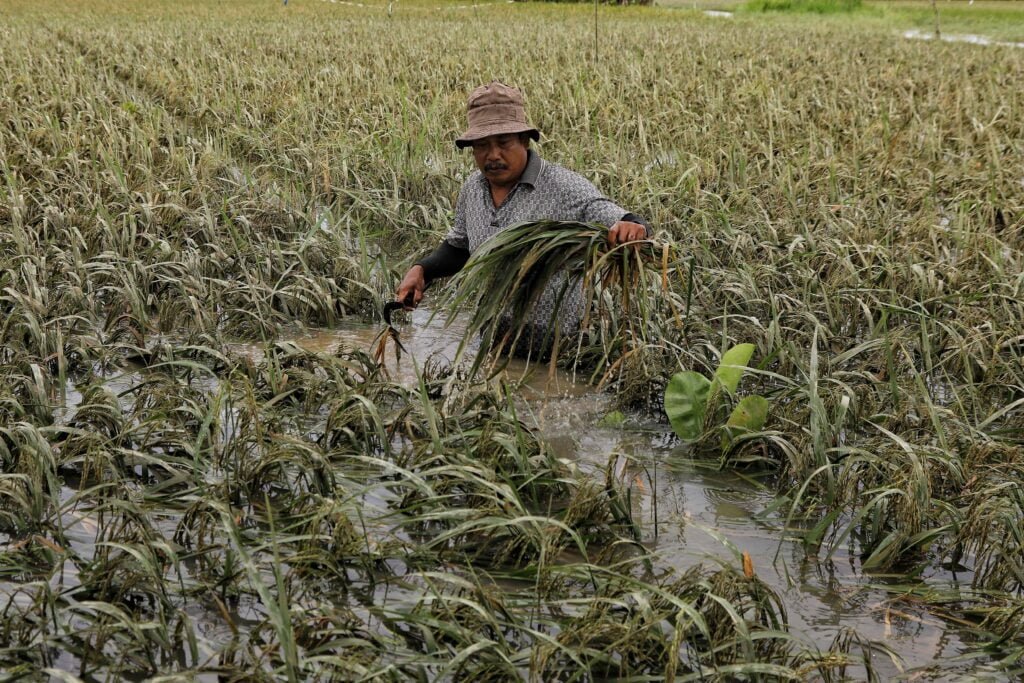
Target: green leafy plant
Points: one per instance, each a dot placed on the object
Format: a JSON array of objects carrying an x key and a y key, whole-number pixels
[{"x": 692, "y": 401}]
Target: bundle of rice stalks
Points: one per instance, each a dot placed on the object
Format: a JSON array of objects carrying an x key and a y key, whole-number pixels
[{"x": 506, "y": 277}]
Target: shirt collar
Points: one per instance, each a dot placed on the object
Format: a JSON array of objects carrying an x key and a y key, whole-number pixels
[{"x": 532, "y": 170}]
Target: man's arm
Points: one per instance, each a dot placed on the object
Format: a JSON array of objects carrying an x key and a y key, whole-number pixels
[
  {"x": 594, "y": 207},
  {"x": 444, "y": 261}
]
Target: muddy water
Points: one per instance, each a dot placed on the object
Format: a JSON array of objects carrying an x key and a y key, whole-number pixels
[
  {"x": 691, "y": 513},
  {"x": 429, "y": 337}
]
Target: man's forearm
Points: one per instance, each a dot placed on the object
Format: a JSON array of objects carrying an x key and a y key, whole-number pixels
[{"x": 444, "y": 261}]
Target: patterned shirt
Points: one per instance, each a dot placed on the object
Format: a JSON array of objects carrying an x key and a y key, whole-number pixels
[{"x": 545, "y": 191}]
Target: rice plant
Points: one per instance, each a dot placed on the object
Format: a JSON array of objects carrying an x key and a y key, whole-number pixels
[{"x": 175, "y": 184}]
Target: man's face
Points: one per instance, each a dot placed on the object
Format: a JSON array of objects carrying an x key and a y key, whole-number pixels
[{"x": 501, "y": 158}]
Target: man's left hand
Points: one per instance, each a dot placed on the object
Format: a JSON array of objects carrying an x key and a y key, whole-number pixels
[{"x": 626, "y": 231}]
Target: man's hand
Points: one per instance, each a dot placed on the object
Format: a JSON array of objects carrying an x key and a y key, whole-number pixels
[
  {"x": 626, "y": 231},
  {"x": 410, "y": 289}
]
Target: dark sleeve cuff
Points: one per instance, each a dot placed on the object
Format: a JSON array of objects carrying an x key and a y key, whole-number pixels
[
  {"x": 633, "y": 218},
  {"x": 444, "y": 261}
]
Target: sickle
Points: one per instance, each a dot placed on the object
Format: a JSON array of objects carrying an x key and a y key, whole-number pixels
[
  {"x": 392, "y": 306},
  {"x": 390, "y": 332}
]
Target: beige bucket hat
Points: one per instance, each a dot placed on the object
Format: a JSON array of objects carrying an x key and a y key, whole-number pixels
[{"x": 495, "y": 109}]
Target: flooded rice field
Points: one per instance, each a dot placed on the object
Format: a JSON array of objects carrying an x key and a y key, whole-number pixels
[
  {"x": 685, "y": 513},
  {"x": 688, "y": 512},
  {"x": 805, "y": 458}
]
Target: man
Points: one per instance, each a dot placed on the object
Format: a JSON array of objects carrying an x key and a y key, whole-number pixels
[{"x": 512, "y": 185}]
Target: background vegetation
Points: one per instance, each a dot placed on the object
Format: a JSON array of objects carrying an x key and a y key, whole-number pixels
[{"x": 177, "y": 179}]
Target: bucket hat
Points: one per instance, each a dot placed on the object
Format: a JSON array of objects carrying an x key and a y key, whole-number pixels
[{"x": 495, "y": 109}]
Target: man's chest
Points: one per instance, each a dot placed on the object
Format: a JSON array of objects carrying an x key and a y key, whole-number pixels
[{"x": 484, "y": 219}]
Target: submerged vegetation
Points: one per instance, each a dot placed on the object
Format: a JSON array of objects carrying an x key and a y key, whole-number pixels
[{"x": 184, "y": 490}]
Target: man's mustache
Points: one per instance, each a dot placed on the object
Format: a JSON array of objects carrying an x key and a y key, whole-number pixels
[{"x": 495, "y": 166}]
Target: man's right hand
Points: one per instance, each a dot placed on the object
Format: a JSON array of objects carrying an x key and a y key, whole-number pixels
[{"x": 410, "y": 289}]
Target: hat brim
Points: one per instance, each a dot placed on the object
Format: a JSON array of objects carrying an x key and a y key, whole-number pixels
[{"x": 481, "y": 132}]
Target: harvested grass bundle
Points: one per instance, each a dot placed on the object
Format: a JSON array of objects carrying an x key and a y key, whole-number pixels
[{"x": 505, "y": 279}]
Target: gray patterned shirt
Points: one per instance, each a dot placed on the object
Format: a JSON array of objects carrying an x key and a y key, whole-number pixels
[{"x": 545, "y": 191}]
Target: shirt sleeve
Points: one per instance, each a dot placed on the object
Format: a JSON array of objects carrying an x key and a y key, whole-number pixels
[
  {"x": 444, "y": 261},
  {"x": 457, "y": 236},
  {"x": 593, "y": 207}
]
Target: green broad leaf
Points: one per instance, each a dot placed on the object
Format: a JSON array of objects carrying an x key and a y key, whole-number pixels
[
  {"x": 748, "y": 416},
  {"x": 686, "y": 399},
  {"x": 734, "y": 363}
]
